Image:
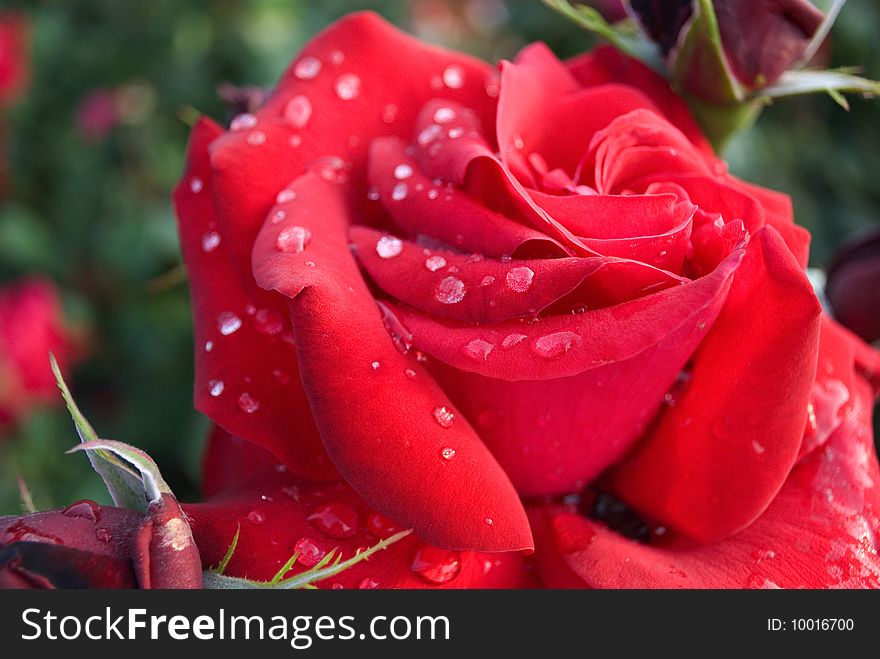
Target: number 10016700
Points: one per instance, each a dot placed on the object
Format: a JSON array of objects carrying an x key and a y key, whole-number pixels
[{"x": 810, "y": 624}]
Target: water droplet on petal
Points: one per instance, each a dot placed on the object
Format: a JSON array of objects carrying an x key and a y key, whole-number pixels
[
  {"x": 196, "y": 184},
  {"x": 256, "y": 138},
  {"x": 411, "y": 374},
  {"x": 757, "y": 447},
  {"x": 399, "y": 192},
  {"x": 389, "y": 246},
  {"x": 215, "y": 387},
  {"x": 429, "y": 134},
  {"x": 373, "y": 193},
  {"x": 450, "y": 291},
  {"x": 338, "y": 520},
  {"x": 248, "y": 403},
  {"x": 403, "y": 171},
  {"x": 453, "y": 77},
  {"x": 520, "y": 279},
  {"x": 310, "y": 554},
  {"x": 489, "y": 521},
  {"x": 513, "y": 339},
  {"x": 447, "y": 453},
  {"x": 444, "y": 416},
  {"x": 375, "y": 366},
  {"x": 488, "y": 280},
  {"x": 444, "y": 115},
  {"x": 307, "y": 68},
  {"x": 268, "y": 321},
  {"x": 298, "y": 111},
  {"x": 285, "y": 196},
  {"x": 228, "y": 323},
  {"x": 381, "y": 527},
  {"x": 103, "y": 535},
  {"x": 86, "y": 508},
  {"x": 389, "y": 114},
  {"x": 368, "y": 584},
  {"x": 434, "y": 263},
  {"x": 556, "y": 344},
  {"x": 243, "y": 121},
  {"x": 209, "y": 346},
  {"x": 256, "y": 517},
  {"x": 436, "y": 565},
  {"x": 348, "y": 86},
  {"x": 293, "y": 240},
  {"x": 210, "y": 241},
  {"x": 478, "y": 350}
]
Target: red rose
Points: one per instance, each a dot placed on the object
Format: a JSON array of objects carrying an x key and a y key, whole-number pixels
[
  {"x": 453, "y": 288},
  {"x": 31, "y": 326}
]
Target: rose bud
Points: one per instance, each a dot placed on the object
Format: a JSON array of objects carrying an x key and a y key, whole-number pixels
[
  {"x": 31, "y": 326},
  {"x": 853, "y": 285}
]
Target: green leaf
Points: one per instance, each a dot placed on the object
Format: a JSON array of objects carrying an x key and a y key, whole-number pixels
[
  {"x": 152, "y": 483},
  {"x": 126, "y": 488},
  {"x": 698, "y": 64},
  {"x": 627, "y": 35},
  {"x": 331, "y": 565}
]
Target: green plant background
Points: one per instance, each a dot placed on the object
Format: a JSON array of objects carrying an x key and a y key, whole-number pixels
[{"x": 96, "y": 217}]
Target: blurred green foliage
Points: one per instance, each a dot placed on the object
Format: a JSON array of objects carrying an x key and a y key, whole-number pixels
[{"x": 96, "y": 216}]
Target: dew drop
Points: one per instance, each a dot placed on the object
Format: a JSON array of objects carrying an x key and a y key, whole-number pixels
[
  {"x": 298, "y": 111},
  {"x": 513, "y": 339},
  {"x": 403, "y": 171},
  {"x": 368, "y": 584},
  {"x": 209, "y": 346},
  {"x": 434, "y": 263},
  {"x": 411, "y": 374},
  {"x": 248, "y": 403},
  {"x": 429, "y": 134},
  {"x": 375, "y": 366},
  {"x": 196, "y": 184},
  {"x": 389, "y": 114},
  {"x": 215, "y": 387},
  {"x": 268, "y": 322},
  {"x": 436, "y": 565},
  {"x": 348, "y": 86},
  {"x": 243, "y": 122},
  {"x": 256, "y": 517},
  {"x": 228, "y": 323},
  {"x": 285, "y": 196},
  {"x": 488, "y": 280},
  {"x": 453, "y": 77},
  {"x": 444, "y": 416},
  {"x": 757, "y": 447},
  {"x": 450, "y": 290},
  {"x": 478, "y": 350},
  {"x": 338, "y": 520},
  {"x": 210, "y": 241},
  {"x": 310, "y": 554},
  {"x": 556, "y": 344},
  {"x": 307, "y": 68},
  {"x": 399, "y": 192},
  {"x": 519, "y": 279},
  {"x": 373, "y": 193},
  {"x": 444, "y": 115},
  {"x": 86, "y": 509},
  {"x": 388, "y": 247},
  {"x": 293, "y": 240},
  {"x": 447, "y": 453},
  {"x": 455, "y": 133},
  {"x": 256, "y": 138},
  {"x": 103, "y": 535},
  {"x": 278, "y": 217},
  {"x": 381, "y": 527},
  {"x": 489, "y": 521}
]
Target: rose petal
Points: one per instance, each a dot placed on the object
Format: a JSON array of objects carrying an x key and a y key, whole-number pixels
[
  {"x": 336, "y": 128},
  {"x": 820, "y": 531},
  {"x": 277, "y": 512},
  {"x": 718, "y": 457},
  {"x": 241, "y": 347},
  {"x": 385, "y": 438}
]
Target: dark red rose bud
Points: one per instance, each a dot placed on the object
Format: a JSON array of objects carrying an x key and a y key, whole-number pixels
[
  {"x": 83, "y": 546},
  {"x": 761, "y": 39},
  {"x": 853, "y": 287},
  {"x": 165, "y": 554},
  {"x": 764, "y": 38}
]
